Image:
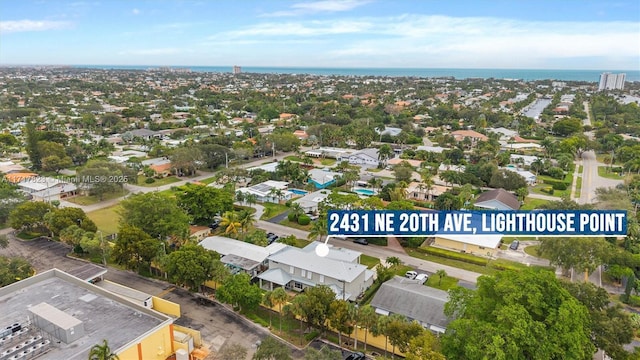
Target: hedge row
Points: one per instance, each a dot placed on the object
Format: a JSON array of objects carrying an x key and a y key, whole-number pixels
[
  {"x": 555, "y": 182},
  {"x": 471, "y": 259}
]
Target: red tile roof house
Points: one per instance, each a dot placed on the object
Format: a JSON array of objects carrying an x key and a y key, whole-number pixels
[{"x": 475, "y": 136}]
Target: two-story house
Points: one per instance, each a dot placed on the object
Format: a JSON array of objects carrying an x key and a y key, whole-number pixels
[{"x": 296, "y": 269}]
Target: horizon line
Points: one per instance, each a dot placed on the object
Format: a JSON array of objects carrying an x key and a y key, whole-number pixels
[{"x": 316, "y": 67}]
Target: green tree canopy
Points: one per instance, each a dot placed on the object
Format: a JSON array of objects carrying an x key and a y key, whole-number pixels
[
  {"x": 204, "y": 202},
  {"x": 157, "y": 214},
  {"x": 29, "y": 215},
  {"x": 59, "y": 219},
  {"x": 191, "y": 265},
  {"x": 133, "y": 247},
  {"x": 13, "y": 269},
  {"x": 517, "y": 315},
  {"x": 237, "y": 290}
]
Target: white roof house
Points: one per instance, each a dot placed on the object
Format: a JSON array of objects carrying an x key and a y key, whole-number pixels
[
  {"x": 504, "y": 132},
  {"x": 391, "y": 131},
  {"x": 310, "y": 201},
  {"x": 490, "y": 241},
  {"x": 365, "y": 157},
  {"x": 296, "y": 269},
  {"x": 270, "y": 167},
  {"x": 241, "y": 255},
  {"x": 530, "y": 177},
  {"x": 263, "y": 191},
  {"x": 433, "y": 149},
  {"x": 519, "y": 146},
  {"x": 336, "y": 253},
  {"x": 526, "y": 159}
]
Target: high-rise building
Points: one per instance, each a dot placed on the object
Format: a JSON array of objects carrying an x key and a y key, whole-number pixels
[
  {"x": 237, "y": 69},
  {"x": 609, "y": 81}
]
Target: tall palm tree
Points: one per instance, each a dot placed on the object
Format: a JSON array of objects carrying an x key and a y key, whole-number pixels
[
  {"x": 279, "y": 297},
  {"x": 380, "y": 328},
  {"x": 251, "y": 199},
  {"x": 267, "y": 300},
  {"x": 246, "y": 219},
  {"x": 384, "y": 153},
  {"x": 441, "y": 274},
  {"x": 276, "y": 193},
  {"x": 367, "y": 318},
  {"x": 102, "y": 352},
  {"x": 318, "y": 229},
  {"x": 231, "y": 223}
]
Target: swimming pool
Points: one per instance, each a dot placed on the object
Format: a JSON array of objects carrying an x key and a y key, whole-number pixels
[
  {"x": 298, "y": 191},
  {"x": 365, "y": 192}
]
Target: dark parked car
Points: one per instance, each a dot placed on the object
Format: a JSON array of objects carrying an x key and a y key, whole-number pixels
[
  {"x": 214, "y": 224},
  {"x": 356, "y": 356},
  {"x": 271, "y": 238},
  {"x": 361, "y": 241},
  {"x": 514, "y": 245}
]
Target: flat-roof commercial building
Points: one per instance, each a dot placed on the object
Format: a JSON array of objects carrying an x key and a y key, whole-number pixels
[{"x": 69, "y": 315}]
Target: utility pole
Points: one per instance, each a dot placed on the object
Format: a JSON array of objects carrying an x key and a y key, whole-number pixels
[
  {"x": 226, "y": 159},
  {"x": 273, "y": 150}
]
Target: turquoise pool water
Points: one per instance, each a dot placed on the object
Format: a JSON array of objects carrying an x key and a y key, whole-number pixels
[
  {"x": 365, "y": 192},
  {"x": 298, "y": 191}
]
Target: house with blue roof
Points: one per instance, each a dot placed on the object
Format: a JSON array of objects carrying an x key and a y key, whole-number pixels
[{"x": 321, "y": 179}]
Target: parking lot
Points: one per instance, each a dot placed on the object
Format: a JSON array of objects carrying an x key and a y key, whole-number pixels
[{"x": 218, "y": 325}]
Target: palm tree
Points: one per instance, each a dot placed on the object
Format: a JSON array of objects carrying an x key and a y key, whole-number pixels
[
  {"x": 394, "y": 261},
  {"x": 276, "y": 193},
  {"x": 240, "y": 197},
  {"x": 441, "y": 274},
  {"x": 296, "y": 209},
  {"x": 267, "y": 300},
  {"x": 380, "y": 328},
  {"x": 367, "y": 318},
  {"x": 279, "y": 297},
  {"x": 318, "y": 229},
  {"x": 102, "y": 352},
  {"x": 251, "y": 199},
  {"x": 246, "y": 219},
  {"x": 231, "y": 222},
  {"x": 296, "y": 309},
  {"x": 384, "y": 153}
]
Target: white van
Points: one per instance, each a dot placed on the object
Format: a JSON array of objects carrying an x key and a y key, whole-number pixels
[
  {"x": 411, "y": 274},
  {"x": 422, "y": 278}
]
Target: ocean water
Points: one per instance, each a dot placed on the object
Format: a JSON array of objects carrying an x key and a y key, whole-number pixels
[{"x": 520, "y": 74}]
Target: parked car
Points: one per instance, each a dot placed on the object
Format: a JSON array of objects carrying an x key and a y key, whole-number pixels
[
  {"x": 514, "y": 245},
  {"x": 271, "y": 238},
  {"x": 361, "y": 241},
  {"x": 356, "y": 356},
  {"x": 422, "y": 278},
  {"x": 411, "y": 274}
]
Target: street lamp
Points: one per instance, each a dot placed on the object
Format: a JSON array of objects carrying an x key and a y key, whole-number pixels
[{"x": 104, "y": 258}]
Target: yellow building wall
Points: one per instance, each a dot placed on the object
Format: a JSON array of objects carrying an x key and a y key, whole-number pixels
[
  {"x": 456, "y": 245},
  {"x": 129, "y": 354},
  {"x": 377, "y": 341},
  {"x": 156, "y": 346},
  {"x": 166, "y": 307},
  {"x": 211, "y": 284},
  {"x": 197, "y": 337}
]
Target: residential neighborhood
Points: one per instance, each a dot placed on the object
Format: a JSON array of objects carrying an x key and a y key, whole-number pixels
[{"x": 219, "y": 184}]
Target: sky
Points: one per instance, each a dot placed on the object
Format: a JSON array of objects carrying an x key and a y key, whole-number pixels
[{"x": 514, "y": 34}]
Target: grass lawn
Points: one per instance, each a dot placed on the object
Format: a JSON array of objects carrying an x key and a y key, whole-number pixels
[
  {"x": 327, "y": 162},
  {"x": 533, "y": 203},
  {"x": 300, "y": 243},
  {"x": 533, "y": 251},
  {"x": 603, "y": 171},
  {"x": 557, "y": 193},
  {"x": 92, "y": 199},
  {"x": 106, "y": 219},
  {"x": 293, "y": 158},
  {"x": 374, "y": 170},
  {"x": 29, "y": 235},
  {"x": 578, "y": 186},
  {"x": 369, "y": 261},
  {"x": 580, "y": 169},
  {"x": 158, "y": 182},
  {"x": 295, "y": 225},
  {"x": 447, "y": 282},
  {"x": 291, "y": 329},
  {"x": 272, "y": 210},
  {"x": 208, "y": 180},
  {"x": 3, "y": 226},
  {"x": 451, "y": 262}
]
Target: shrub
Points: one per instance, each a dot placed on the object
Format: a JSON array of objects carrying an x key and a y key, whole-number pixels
[
  {"x": 304, "y": 220},
  {"x": 555, "y": 172},
  {"x": 471, "y": 259},
  {"x": 548, "y": 190},
  {"x": 554, "y": 181},
  {"x": 150, "y": 180},
  {"x": 312, "y": 335},
  {"x": 292, "y": 217},
  {"x": 559, "y": 186}
]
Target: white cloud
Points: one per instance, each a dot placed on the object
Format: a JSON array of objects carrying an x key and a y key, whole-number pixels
[
  {"x": 13, "y": 26},
  {"x": 313, "y": 7},
  {"x": 427, "y": 40},
  {"x": 135, "y": 11}
]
